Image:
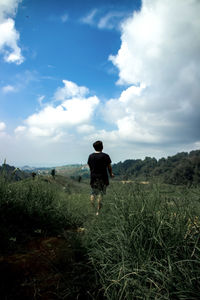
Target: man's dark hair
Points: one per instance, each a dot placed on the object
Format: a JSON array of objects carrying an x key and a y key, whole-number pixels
[{"x": 98, "y": 146}]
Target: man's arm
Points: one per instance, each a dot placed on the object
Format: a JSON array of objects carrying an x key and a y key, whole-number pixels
[
  {"x": 110, "y": 171},
  {"x": 88, "y": 162}
]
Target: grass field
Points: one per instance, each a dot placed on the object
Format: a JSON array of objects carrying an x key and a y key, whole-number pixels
[{"x": 143, "y": 245}]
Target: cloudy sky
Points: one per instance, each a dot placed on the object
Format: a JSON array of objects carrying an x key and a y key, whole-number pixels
[{"x": 73, "y": 72}]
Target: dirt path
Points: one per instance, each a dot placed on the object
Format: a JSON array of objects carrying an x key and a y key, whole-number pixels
[{"x": 48, "y": 268}]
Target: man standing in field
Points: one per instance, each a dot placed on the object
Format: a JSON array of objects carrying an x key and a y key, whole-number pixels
[{"x": 100, "y": 165}]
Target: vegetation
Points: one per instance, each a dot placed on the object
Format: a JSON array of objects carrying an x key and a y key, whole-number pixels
[
  {"x": 144, "y": 244},
  {"x": 41, "y": 256},
  {"x": 74, "y": 171},
  {"x": 29, "y": 205},
  {"x": 182, "y": 168},
  {"x": 11, "y": 173}
]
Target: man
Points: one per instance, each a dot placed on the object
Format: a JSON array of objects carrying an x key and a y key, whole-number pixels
[{"x": 100, "y": 165}]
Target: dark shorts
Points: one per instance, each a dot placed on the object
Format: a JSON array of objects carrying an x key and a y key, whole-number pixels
[
  {"x": 98, "y": 188},
  {"x": 98, "y": 191}
]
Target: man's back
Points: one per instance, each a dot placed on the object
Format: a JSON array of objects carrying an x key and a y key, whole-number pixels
[{"x": 98, "y": 163}]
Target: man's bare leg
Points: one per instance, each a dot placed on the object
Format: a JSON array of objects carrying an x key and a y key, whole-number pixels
[
  {"x": 92, "y": 199},
  {"x": 99, "y": 206}
]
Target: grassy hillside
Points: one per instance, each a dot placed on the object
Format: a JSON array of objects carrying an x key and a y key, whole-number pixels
[
  {"x": 182, "y": 168},
  {"x": 143, "y": 245},
  {"x": 68, "y": 170},
  {"x": 11, "y": 173}
]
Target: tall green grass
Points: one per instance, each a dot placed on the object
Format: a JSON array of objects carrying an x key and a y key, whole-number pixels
[
  {"x": 35, "y": 209},
  {"x": 32, "y": 206},
  {"x": 145, "y": 243}
]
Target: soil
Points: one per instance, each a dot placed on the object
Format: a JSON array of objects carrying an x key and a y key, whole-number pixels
[{"x": 47, "y": 268}]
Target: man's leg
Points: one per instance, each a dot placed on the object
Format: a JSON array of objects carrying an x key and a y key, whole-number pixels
[
  {"x": 99, "y": 201},
  {"x": 92, "y": 199}
]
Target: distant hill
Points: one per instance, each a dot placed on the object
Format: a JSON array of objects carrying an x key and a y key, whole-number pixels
[
  {"x": 182, "y": 168},
  {"x": 36, "y": 170},
  {"x": 27, "y": 168},
  {"x": 73, "y": 170},
  {"x": 67, "y": 170},
  {"x": 12, "y": 174}
]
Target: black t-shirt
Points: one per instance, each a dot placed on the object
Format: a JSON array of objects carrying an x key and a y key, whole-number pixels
[{"x": 98, "y": 163}]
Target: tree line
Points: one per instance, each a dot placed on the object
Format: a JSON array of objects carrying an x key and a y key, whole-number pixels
[{"x": 182, "y": 168}]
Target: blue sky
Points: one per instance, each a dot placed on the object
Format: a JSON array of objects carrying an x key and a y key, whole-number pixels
[{"x": 72, "y": 72}]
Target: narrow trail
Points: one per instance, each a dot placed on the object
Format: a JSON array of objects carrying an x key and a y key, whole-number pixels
[{"x": 47, "y": 268}]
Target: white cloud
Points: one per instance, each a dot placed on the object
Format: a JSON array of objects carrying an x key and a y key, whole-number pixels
[
  {"x": 104, "y": 20},
  {"x": 85, "y": 128},
  {"x": 153, "y": 38},
  {"x": 110, "y": 137},
  {"x": 70, "y": 112},
  {"x": 110, "y": 20},
  {"x": 56, "y": 133},
  {"x": 69, "y": 90},
  {"x": 90, "y": 18},
  {"x": 8, "y": 88},
  {"x": 54, "y": 120},
  {"x": 9, "y": 36},
  {"x": 20, "y": 129},
  {"x": 40, "y": 99},
  {"x": 197, "y": 145},
  {"x": 3, "y": 133},
  {"x": 8, "y": 7},
  {"x": 159, "y": 58},
  {"x": 22, "y": 150},
  {"x": 2, "y": 126},
  {"x": 157, "y": 114}
]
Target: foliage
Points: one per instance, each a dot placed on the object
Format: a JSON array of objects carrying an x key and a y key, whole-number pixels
[
  {"x": 11, "y": 173},
  {"x": 145, "y": 244},
  {"x": 182, "y": 168},
  {"x": 31, "y": 211},
  {"x": 32, "y": 205}
]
